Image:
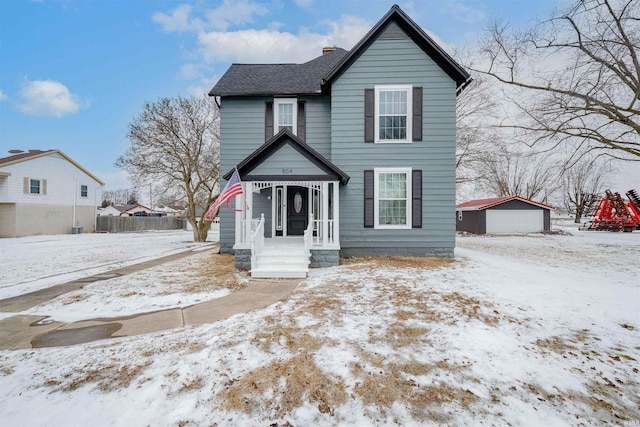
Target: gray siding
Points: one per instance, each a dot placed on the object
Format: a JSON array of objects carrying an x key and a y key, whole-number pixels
[
  {"x": 396, "y": 61},
  {"x": 287, "y": 157},
  {"x": 242, "y": 127}
]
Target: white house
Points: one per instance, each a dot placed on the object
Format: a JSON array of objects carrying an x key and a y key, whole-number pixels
[
  {"x": 108, "y": 211},
  {"x": 46, "y": 192}
]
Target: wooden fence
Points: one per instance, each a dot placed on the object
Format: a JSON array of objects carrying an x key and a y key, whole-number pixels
[{"x": 129, "y": 224}]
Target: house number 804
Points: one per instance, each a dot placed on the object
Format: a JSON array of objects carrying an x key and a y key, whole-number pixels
[{"x": 287, "y": 171}]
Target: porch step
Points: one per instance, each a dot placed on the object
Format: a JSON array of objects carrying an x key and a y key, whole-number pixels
[
  {"x": 282, "y": 258},
  {"x": 280, "y": 272}
]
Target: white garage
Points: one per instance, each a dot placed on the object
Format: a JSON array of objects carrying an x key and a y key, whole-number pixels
[
  {"x": 515, "y": 221},
  {"x": 503, "y": 215}
]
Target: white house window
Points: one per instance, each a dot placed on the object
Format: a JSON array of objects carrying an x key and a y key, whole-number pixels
[
  {"x": 392, "y": 198},
  {"x": 34, "y": 186},
  {"x": 84, "y": 191},
  {"x": 393, "y": 113},
  {"x": 285, "y": 114}
]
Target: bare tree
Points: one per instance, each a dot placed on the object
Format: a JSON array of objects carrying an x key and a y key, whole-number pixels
[
  {"x": 121, "y": 196},
  {"x": 475, "y": 134},
  {"x": 575, "y": 78},
  {"x": 175, "y": 144},
  {"x": 528, "y": 175},
  {"x": 584, "y": 182}
]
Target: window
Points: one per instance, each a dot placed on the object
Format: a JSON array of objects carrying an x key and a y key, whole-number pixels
[
  {"x": 392, "y": 204},
  {"x": 84, "y": 191},
  {"x": 393, "y": 113},
  {"x": 285, "y": 114},
  {"x": 34, "y": 186}
]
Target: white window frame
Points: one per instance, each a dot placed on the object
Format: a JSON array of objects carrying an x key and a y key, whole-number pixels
[
  {"x": 277, "y": 102},
  {"x": 376, "y": 198},
  {"x": 86, "y": 191},
  {"x": 382, "y": 88},
  {"x": 39, "y": 193}
]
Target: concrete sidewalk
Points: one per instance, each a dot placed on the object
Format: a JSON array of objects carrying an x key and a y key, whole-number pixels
[{"x": 23, "y": 331}]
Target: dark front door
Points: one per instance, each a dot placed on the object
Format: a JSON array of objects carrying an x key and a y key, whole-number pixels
[{"x": 297, "y": 210}]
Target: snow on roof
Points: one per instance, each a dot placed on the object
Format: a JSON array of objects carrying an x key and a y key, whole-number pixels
[{"x": 481, "y": 204}]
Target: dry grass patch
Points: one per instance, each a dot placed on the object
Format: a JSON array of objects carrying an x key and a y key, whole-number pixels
[
  {"x": 396, "y": 262},
  {"x": 203, "y": 272},
  {"x": 6, "y": 369},
  {"x": 282, "y": 386},
  {"x": 108, "y": 377},
  {"x": 194, "y": 384},
  {"x": 74, "y": 298},
  {"x": 382, "y": 388},
  {"x": 399, "y": 334},
  {"x": 293, "y": 338}
]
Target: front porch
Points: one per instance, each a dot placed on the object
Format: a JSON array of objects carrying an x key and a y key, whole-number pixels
[{"x": 284, "y": 227}]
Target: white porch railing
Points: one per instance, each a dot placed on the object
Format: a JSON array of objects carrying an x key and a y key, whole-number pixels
[
  {"x": 308, "y": 238},
  {"x": 257, "y": 240},
  {"x": 318, "y": 230},
  {"x": 243, "y": 229}
]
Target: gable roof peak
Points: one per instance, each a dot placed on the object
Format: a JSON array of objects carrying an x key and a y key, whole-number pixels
[{"x": 417, "y": 34}]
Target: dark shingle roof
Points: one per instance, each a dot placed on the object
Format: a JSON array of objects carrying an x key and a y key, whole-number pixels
[{"x": 277, "y": 79}]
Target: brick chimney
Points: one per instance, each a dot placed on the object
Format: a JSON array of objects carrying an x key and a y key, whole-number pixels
[{"x": 329, "y": 49}]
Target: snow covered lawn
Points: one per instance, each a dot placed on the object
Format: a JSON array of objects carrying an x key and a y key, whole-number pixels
[
  {"x": 518, "y": 330},
  {"x": 35, "y": 262}
]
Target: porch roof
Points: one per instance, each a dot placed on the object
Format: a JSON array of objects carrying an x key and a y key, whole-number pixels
[{"x": 266, "y": 150}]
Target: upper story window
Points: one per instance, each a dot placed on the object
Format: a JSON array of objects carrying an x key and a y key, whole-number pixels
[
  {"x": 285, "y": 114},
  {"x": 392, "y": 198},
  {"x": 34, "y": 186},
  {"x": 393, "y": 113},
  {"x": 84, "y": 191}
]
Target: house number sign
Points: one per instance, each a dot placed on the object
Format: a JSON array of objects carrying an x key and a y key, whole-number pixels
[{"x": 287, "y": 171}]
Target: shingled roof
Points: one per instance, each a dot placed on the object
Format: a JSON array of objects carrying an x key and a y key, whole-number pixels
[{"x": 277, "y": 79}]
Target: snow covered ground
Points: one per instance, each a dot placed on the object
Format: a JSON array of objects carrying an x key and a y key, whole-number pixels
[
  {"x": 36, "y": 262},
  {"x": 518, "y": 330}
]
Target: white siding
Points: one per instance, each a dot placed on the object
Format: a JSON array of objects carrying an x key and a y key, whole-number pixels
[{"x": 63, "y": 182}]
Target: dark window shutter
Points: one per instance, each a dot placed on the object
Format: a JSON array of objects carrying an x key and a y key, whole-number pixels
[
  {"x": 369, "y": 115},
  {"x": 417, "y": 114},
  {"x": 416, "y": 198},
  {"x": 268, "y": 120},
  {"x": 368, "y": 198},
  {"x": 302, "y": 122}
]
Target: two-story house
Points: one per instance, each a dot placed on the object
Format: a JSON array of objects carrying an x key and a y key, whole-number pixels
[
  {"x": 46, "y": 192},
  {"x": 349, "y": 154}
]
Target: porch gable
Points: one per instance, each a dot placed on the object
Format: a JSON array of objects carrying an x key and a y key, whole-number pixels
[{"x": 286, "y": 157}]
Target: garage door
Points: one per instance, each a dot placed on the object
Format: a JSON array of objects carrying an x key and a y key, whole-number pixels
[{"x": 515, "y": 221}]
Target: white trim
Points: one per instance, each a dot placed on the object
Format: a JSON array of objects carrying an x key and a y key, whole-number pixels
[
  {"x": 283, "y": 101},
  {"x": 409, "y": 135},
  {"x": 376, "y": 201}
]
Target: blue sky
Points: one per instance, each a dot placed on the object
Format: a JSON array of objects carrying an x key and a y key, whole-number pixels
[{"x": 74, "y": 73}]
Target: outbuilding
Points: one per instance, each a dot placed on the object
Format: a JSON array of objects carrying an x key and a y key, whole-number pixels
[{"x": 503, "y": 215}]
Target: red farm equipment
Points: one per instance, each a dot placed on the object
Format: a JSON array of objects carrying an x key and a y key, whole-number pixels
[{"x": 613, "y": 214}]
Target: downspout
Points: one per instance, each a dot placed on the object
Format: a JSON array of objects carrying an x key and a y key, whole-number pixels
[{"x": 75, "y": 196}]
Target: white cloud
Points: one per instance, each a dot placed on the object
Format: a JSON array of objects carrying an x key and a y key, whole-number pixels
[
  {"x": 464, "y": 13},
  {"x": 229, "y": 13},
  {"x": 3, "y": 96},
  {"x": 234, "y": 12},
  {"x": 176, "y": 21},
  {"x": 270, "y": 45},
  {"x": 48, "y": 98}
]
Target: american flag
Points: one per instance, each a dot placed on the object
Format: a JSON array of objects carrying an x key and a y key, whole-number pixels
[{"x": 231, "y": 190}]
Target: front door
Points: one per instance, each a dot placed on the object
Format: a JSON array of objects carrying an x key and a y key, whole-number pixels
[{"x": 297, "y": 210}]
